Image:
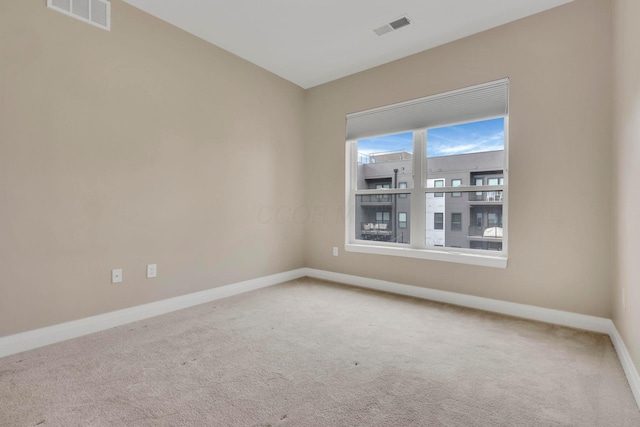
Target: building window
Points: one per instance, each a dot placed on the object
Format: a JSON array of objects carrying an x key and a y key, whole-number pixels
[
  {"x": 402, "y": 220},
  {"x": 382, "y": 197},
  {"x": 456, "y": 183},
  {"x": 443, "y": 148},
  {"x": 493, "y": 219},
  {"x": 438, "y": 183},
  {"x": 438, "y": 221},
  {"x": 402, "y": 185},
  {"x": 479, "y": 182},
  {"x": 383, "y": 217},
  {"x": 456, "y": 221}
]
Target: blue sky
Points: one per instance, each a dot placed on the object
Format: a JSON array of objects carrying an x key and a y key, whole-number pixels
[{"x": 487, "y": 135}]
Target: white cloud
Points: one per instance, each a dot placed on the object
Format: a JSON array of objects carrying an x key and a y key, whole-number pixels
[{"x": 456, "y": 149}]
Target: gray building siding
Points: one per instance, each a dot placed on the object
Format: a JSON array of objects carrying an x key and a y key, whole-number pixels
[{"x": 466, "y": 216}]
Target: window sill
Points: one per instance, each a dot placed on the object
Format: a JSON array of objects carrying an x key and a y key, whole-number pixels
[{"x": 430, "y": 254}]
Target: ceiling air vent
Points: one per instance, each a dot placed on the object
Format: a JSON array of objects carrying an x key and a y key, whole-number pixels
[
  {"x": 394, "y": 25},
  {"x": 94, "y": 12}
]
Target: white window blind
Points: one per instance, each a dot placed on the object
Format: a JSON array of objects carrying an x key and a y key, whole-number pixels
[{"x": 472, "y": 103}]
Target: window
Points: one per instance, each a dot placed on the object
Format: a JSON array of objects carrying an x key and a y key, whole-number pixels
[
  {"x": 479, "y": 183},
  {"x": 438, "y": 221},
  {"x": 456, "y": 221},
  {"x": 382, "y": 216},
  {"x": 430, "y": 147},
  {"x": 438, "y": 183},
  {"x": 402, "y": 185},
  {"x": 493, "y": 219},
  {"x": 402, "y": 220},
  {"x": 382, "y": 197},
  {"x": 456, "y": 183}
]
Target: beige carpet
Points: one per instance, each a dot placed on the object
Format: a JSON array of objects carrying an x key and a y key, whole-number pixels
[{"x": 309, "y": 353}]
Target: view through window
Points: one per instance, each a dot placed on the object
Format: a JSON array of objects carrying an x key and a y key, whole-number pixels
[
  {"x": 428, "y": 178},
  {"x": 457, "y": 158}
]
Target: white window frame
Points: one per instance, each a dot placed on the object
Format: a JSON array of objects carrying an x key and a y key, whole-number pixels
[{"x": 417, "y": 218}]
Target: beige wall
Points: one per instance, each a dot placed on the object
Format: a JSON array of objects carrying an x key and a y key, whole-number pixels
[
  {"x": 560, "y": 158},
  {"x": 626, "y": 175},
  {"x": 147, "y": 145},
  {"x": 140, "y": 145}
]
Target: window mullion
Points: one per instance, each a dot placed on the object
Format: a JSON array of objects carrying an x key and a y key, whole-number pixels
[
  {"x": 418, "y": 197},
  {"x": 350, "y": 202}
]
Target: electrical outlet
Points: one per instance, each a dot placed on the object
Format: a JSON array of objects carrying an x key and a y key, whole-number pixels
[
  {"x": 152, "y": 271},
  {"x": 116, "y": 275},
  {"x": 335, "y": 251}
]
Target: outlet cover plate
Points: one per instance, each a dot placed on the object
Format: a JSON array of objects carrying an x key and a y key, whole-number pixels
[
  {"x": 116, "y": 275},
  {"x": 152, "y": 270}
]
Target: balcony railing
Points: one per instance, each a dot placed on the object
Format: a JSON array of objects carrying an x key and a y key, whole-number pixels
[
  {"x": 376, "y": 198},
  {"x": 379, "y": 230},
  {"x": 493, "y": 232},
  {"x": 485, "y": 196}
]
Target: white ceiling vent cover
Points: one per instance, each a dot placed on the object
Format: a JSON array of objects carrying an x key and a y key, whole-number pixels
[
  {"x": 403, "y": 21},
  {"x": 94, "y": 12}
]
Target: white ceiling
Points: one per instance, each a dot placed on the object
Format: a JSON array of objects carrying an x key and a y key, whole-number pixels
[{"x": 310, "y": 42}]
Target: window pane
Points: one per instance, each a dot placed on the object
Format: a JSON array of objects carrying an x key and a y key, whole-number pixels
[
  {"x": 456, "y": 221},
  {"x": 456, "y": 183},
  {"x": 438, "y": 221},
  {"x": 374, "y": 218},
  {"x": 402, "y": 185},
  {"x": 438, "y": 183},
  {"x": 466, "y": 138},
  {"x": 474, "y": 222},
  {"x": 454, "y": 152},
  {"x": 402, "y": 220},
  {"x": 386, "y": 161}
]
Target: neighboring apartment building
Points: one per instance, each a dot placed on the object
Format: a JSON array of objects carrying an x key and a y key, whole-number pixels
[{"x": 455, "y": 219}]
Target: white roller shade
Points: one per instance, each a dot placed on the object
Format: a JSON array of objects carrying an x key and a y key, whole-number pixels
[{"x": 469, "y": 104}]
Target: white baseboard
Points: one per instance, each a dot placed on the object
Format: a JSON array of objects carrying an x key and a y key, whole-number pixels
[
  {"x": 556, "y": 317},
  {"x": 17, "y": 343},
  {"x": 52, "y": 334},
  {"x": 627, "y": 364}
]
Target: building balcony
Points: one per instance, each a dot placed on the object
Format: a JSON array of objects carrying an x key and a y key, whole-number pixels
[
  {"x": 481, "y": 233},
  {"x": 379, "y": 230},
  {"x": 486, "y": 197},
  {"x": 375, "y": 199}
]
